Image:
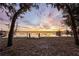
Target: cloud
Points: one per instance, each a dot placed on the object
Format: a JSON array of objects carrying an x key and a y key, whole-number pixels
[{"x": 42, "y": 18}]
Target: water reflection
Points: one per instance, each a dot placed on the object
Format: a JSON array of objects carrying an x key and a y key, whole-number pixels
[{"x": 36, "y": 35}]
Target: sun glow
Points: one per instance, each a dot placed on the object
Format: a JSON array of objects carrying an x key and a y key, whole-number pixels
[{"x": 44, "y": 19}]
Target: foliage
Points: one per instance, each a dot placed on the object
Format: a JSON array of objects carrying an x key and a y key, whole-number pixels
[{"x": 58, "y": 33}]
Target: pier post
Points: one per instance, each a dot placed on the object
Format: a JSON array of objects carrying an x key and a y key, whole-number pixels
[
  {"x": 29, "y": 35},
  {"x": 39, "y": 35}
]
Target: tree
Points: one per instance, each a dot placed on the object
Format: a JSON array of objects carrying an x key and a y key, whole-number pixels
[
  {"x": 58, "y": 33},
  {"x": 70, "y": 9},
  {"x": 13, "y": 14},
  {"x": 23, "y": 8},
  {"x": 73, "y": 24},
  {"x": 67, "y": 32},
  {"x": 72, "y": 12}
]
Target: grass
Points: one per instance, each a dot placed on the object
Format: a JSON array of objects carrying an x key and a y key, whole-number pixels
[{"x": 53, "y": 46}]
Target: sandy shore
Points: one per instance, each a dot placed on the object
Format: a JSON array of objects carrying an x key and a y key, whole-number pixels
[{"x": 53, "y": 46}]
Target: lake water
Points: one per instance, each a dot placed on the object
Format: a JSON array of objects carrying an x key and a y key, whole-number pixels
[
  {"x": 36, "y": 34},
  {"x": 41, "y": 35}
]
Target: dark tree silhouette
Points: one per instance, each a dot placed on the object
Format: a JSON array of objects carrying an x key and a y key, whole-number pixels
[
  {"x": 23, "y": 8},
  {"x": 73, "y": 11},
  {"x": 58, "y": 33},
  {"x": 13, "y": 14},
  {"x": 73, "y": 24},
  {"x": 67, "y": 32}
]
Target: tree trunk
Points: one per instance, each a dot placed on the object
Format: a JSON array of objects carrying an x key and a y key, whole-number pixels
[
  {"x": 11, "y": 32},
  {"x": 74, "y": 29},
  {"x": 73, "y": 25}
]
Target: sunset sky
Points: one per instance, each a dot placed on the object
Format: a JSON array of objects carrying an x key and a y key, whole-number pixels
[{"x": 44, "y": 18}]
